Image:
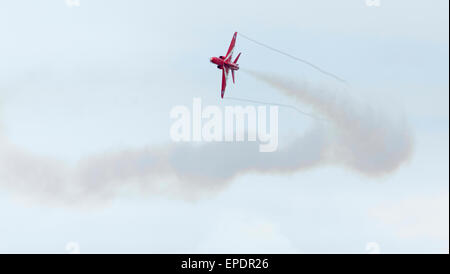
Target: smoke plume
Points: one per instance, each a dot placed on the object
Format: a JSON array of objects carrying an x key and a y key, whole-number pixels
[
  {"x": 361, "y": 137},
  {"x": 355, "y": 136}
]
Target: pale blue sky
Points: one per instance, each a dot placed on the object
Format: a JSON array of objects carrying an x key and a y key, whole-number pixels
[{"x": 79, "y": 81}]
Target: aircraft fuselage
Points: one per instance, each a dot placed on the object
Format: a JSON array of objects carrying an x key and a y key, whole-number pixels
[{"x": 220, "y": 62}]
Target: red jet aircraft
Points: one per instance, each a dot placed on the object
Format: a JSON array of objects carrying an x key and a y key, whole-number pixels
[{"x": 225, "y": 63}]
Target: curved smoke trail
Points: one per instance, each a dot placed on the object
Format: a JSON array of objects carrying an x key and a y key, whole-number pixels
[
  {"x": 362, "y": 137},
  {"x": 357, "y": 137}
]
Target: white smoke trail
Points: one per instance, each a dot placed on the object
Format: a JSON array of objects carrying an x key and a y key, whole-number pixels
[
  {"x": 184, "y": 171},
  {"x": 363, "y": 137},
  {"x": 358, "y": 137}
]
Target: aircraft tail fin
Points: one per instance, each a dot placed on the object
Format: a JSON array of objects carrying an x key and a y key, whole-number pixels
[{"x": 237, "y": 58}]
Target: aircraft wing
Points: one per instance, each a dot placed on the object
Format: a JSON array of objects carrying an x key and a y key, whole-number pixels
[
  {"x": 225, "y": 72},
  {"x": 231, "y": 48}
]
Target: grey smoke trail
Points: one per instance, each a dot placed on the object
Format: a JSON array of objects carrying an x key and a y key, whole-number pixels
[
  {"x": 356, "y": 136},
  {"x": 183, "y": 170},
  {"x": 363, "y": 138}
]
